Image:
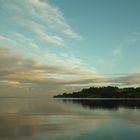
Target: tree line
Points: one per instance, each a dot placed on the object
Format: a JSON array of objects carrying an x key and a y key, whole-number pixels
[{"x": 103, "y": 92}]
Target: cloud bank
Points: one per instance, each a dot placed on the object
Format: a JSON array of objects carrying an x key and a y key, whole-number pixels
[
  {"x": 26, "y": 72},
  {"x": 62, "y": 74}
]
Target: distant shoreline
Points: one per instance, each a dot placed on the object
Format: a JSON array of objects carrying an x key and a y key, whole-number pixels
[
  {"x": 105, "y": 93},
  {"x": 97, "y": 98}
]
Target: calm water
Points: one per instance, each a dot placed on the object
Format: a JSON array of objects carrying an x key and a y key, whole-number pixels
[{"x": 55, "y": 119}]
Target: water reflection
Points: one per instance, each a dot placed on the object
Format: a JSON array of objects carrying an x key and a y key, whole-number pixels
[
  {"x": 111, "y": 104},
  {"x": 41, "y": 119}
]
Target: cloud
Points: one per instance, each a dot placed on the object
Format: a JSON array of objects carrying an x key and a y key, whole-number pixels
[
  {"x": 22, "y": 39},
  {"x": 60, "y": 71},
  {"x": 18, "y": 41},
  {"x": 45, "y": 21},
  {"x": 42, "y": 33},
  {"x": 117, "y": 52},
  {"x": 137, "y": 33},
  {"x": 130, "y": 79},
  {"x": 53, "y": 16},
  {"x": 6, "y": 40},
  {"x": 134, "y": 37}
]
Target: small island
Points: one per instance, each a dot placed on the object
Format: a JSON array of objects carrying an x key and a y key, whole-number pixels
[{"x": 103, "y": 92}]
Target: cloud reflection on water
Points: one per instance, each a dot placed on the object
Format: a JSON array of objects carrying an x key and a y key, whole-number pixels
[{"x": 55, "y": 119}]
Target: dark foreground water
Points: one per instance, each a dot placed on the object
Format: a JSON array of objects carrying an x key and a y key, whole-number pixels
[{"x": 56, "y": 119}]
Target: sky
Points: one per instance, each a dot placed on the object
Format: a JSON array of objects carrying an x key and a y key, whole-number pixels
[{"x": 53, "y": 46}]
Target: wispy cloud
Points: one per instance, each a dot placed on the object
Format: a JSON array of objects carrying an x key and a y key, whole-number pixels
[
  {"x": 137, "y": 33},
  {"x": 53, "y": 16},
  {"x": 6, "y": 40},
  {"x": 116, "y": 52},
  {"x": 45, "y": 21},
  {"x": 22, "y": 39},
  {"x": 133, "y": 37},
  {"x": 42, "y": 33}
]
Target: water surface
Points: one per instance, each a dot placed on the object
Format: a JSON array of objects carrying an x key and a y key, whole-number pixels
[{"x": 69, "y": 119}]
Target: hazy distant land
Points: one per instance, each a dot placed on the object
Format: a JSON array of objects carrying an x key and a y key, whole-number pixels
[{"x": 103, "y": 92}]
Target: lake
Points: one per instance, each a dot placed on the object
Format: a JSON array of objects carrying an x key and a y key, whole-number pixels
[{"x": 69, "y": 119}]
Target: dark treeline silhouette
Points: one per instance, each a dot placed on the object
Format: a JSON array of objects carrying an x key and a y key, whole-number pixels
[
  {"x": 103, "y": 92},
  {"x": 106, "y": 104}
]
